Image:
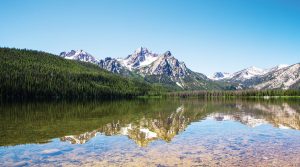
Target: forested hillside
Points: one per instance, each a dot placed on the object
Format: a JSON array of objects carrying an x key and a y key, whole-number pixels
[{"x": 28, "y": 74}]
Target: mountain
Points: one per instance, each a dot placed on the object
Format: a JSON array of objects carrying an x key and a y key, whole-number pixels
[
  {"x": 278, "y": 67},
  {"x": 140, "y": 58},
  {"x": 155, "y": 68},
  {"x": 28, "y": 74},
  {"x": 165, "y": 64},
  {"x": 79, "y": 55},
  {"x": 220, "y": 75},
  {"x": 239, "y": 76},
  {"x": 282, "y": 78},
  {"x": 110, "y": 64},
  {"x": 166, "y": 70},
  {"x": 245, "y": 74},
  {"x": 278, "y": 77}
]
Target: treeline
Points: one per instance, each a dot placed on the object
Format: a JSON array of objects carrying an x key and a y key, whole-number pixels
[
  {"x": 27, "y": 74},
  {"x": 237, "y": 93}
]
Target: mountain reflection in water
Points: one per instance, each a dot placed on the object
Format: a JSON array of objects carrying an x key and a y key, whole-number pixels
[
  {"x": 143, "y": 131},
  {"x": 196, "y": 132},
  {"x": 165, "y": 127},
  {"x": 141, "y": 120}
]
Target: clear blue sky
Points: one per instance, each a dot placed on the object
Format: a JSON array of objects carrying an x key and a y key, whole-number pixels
[{"x": 209, "y": 36}]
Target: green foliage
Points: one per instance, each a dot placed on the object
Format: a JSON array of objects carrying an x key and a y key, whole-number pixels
[{"x": 27, "y": 74}]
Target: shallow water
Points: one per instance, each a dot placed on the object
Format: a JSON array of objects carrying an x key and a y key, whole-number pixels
[{"x": 151, "y": 133}]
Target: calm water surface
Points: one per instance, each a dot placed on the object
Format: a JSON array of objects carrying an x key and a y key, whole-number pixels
[{"x": 151, "y": 133}]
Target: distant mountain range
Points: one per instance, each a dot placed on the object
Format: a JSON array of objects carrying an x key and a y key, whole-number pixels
[
  {"x": 245, "y": 74},
  {"x": 165, "y": 69},
  {"x": 278, "y": 77}
]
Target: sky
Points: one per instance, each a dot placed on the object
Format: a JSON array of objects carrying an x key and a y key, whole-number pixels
[{"x": 208, "y": 35}]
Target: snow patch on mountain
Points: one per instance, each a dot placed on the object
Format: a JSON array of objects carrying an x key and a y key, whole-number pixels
[
  {"x": 278, "y": 67},
  {"x": 148, "y": 60},
  {"x": 141, "y": 57},
  {"x": 79, "y": 55},
  {"x": 283, "y": 78},
  {"x": 177, "y": 83},
  {"x": 166, "y": 64},
  {"x": 220, "y": 76},
  {"x": 240, "y": 75},
  {"x": 247, "y": 73}
]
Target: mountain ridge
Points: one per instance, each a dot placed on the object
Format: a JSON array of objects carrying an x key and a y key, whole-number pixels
[
  {"x": 155, "y": 68},
  {"x": 165, "y": 69}
]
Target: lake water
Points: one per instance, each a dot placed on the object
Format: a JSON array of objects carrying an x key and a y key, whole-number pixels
[{"x": 154, "y": 132}]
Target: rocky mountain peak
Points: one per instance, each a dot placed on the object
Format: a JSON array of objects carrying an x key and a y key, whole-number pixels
[
  {"x": 79, "y": 55},
  {"x": 157, "y": 68},
  {"x": 141, "y": 51},
  {"x": 141, "y": 57},
  {"x": 283, "y": 78},
  {"x": 167, "y": 54},
  {"x": 220, "y": 75}
]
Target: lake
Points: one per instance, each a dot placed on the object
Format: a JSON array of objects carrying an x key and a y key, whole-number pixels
[{"x": 153, "y": 132}]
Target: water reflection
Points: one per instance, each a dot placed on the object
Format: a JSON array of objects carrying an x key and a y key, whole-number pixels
[
  {"x": 165, "y": 127},
  {"x": 141, "y": 132},
  {"x": 281, "y": 115},
  {"x": 143, "y": 121}
]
